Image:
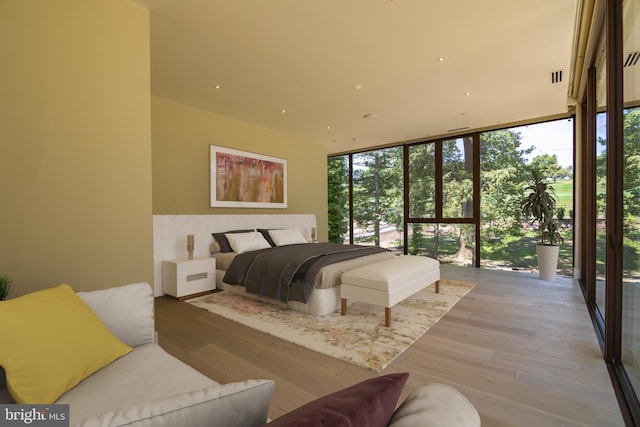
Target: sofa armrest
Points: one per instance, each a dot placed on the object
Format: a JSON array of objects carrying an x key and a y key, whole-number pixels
[
  {"x": 127, "y": 311},
  {"x": 230, "y": 405},
  {"x": 435, "y": 405}
]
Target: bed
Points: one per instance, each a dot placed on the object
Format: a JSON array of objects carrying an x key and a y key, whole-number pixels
[
  {"x": 304, "y": 276},
  {"x": 170, "y": 242}
]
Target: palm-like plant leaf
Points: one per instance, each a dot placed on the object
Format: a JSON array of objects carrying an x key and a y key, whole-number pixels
[
  {"x": 540, "y": 205},
  {"x": 5, "y": 287}
]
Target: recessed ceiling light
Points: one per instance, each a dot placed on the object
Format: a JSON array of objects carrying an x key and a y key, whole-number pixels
[
  {"x": 467, "y": 93},
  {"x": 217, "y": 86},
  {"x": 440, "y": 59},
  {"x": 283, "y": 111},
  {"x": 328, "y": 127},
  {"x": 357, "y": 87}
]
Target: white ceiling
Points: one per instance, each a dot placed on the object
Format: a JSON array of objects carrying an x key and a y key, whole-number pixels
[{"x": 306, "y": 57}]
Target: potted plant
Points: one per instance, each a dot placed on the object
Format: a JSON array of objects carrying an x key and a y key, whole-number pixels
[
  {"x": 540, "y": 205},
  {"x": 5, "y": 287}
]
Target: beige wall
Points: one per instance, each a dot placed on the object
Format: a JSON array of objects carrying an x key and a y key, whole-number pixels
[
  {"x": 181, "y": 138},
  {"x": 75, "y": 147}
]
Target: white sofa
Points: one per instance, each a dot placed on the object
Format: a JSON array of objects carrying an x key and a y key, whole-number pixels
[{"x": 149, "y": 387}]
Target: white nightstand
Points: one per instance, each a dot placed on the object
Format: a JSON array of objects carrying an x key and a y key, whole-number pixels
[{"x": 188, "y": 277}]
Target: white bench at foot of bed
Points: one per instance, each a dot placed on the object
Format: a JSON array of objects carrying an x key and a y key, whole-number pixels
[{"x": 388, "y": 282}]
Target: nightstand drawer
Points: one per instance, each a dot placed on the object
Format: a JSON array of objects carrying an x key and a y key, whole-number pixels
[{"x": 186, "y": 277}]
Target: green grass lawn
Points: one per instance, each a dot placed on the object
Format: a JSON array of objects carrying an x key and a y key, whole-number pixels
[
  {"x": 564, "y": 194},
  {"x": 516, "y": 252},
  {"x": 520, "y": 253}
]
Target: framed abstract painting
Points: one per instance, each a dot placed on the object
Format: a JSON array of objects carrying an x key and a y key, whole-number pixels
[{"x": 240, "y": 179}]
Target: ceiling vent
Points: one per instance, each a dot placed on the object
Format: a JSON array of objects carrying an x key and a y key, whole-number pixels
[
  {"x": 556, "y": 76},
  {"x": 632, "y": 59},
  {"x": 457, "y": 129}
]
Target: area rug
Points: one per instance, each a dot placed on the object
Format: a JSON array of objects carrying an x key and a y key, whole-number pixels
[{"x": 360, "y": 337}]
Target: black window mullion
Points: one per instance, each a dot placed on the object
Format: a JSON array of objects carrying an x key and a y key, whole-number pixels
[
  {"x": 615, "y": 175},
  {"x": 351, "y": 198},
  {"x": 405, "y": 181},
  {"x": 438, "y": 180},
  {"x": 590, "y": 192},
  {"x": 476, "y": 195}
]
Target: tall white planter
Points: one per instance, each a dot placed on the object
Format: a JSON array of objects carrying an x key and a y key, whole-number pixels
[{"x": 547, "y": 261}]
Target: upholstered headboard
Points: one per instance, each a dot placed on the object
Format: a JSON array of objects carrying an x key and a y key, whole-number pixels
[{"x": 170, "y": 233}]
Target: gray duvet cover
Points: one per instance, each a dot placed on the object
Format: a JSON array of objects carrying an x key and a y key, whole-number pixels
[{"x": 287, "y": 273}]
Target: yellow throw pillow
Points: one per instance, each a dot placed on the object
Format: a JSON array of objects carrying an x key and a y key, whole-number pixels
[{"x": 50, "y": 340}]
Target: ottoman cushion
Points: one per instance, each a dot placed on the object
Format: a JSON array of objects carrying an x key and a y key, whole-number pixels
[
  {"x": 388, "y": 282},
  {"x": 390, "y": 274}
]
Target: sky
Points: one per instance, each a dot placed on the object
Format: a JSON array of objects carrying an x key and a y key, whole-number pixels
[{"x": 549, "y": 138}]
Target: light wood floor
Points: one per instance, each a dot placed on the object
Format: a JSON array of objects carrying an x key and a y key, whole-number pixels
[{"x": 522, "y": 350}]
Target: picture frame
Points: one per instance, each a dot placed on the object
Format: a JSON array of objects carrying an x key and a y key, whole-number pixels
[{"x": 241, "y": 179}]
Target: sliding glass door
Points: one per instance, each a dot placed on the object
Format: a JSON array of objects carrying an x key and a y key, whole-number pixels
[
  {"x": 612, "y": 271},
  {"x": 631, "y": 195}
]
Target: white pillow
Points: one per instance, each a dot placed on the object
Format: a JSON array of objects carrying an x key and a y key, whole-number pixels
[
  {"x": 244, "y": 242},
  {"x": 126, "y": 310},
  {"x": 289, "y": 236}
]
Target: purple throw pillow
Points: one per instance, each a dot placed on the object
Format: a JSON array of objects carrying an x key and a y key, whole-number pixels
[{"x": 368, "y": 404}]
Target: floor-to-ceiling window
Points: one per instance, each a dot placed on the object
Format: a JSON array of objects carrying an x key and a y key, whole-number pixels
[
  {"x": 631, "y": 275},
  {"x": 631, "y": 196},
  {"x": 441, "y": 215},
  {"x": 422, "y": 238},
  {"x": 612, "y": 207},
  {"x": 600, "y": 201},
  {"x": 461, "y": 196},
  {"x": 507, "y": 157},
  {"x": 338, "y": 203},
  {"x": 378, "y": 202}
]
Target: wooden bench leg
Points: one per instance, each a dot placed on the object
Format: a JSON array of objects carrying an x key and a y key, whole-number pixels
[
  {"x": 437, "y": 286},
  {"x": 344, "y": 306},
  {"x": 387, "y": 316}
]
